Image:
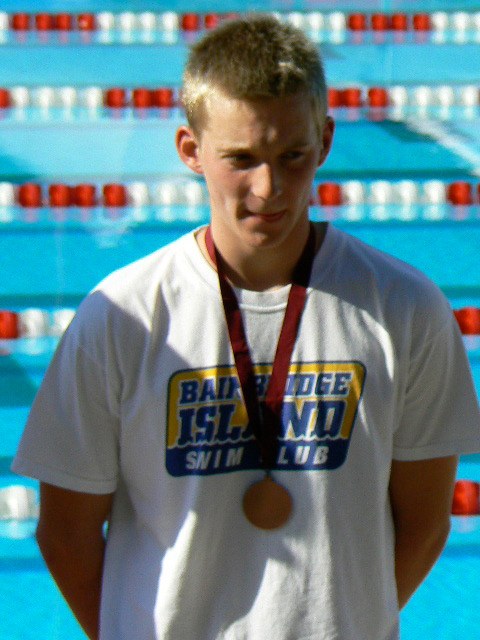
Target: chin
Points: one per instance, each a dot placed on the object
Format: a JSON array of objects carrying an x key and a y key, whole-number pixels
[{"x": 269, "y": 238}]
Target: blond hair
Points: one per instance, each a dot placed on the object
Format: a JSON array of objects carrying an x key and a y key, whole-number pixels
[{"x": 253, "y": 57}]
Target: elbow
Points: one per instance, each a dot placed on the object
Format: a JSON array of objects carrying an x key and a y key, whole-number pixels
[
  {"x": 427, "y": 541},
  {"x": 45, "y": 543},
  {"x": 52, "y": 548},
  {"x": 440, "y": 536},
  {"x": 432, "y": 541},
  {"x": 41, "y": 537}
]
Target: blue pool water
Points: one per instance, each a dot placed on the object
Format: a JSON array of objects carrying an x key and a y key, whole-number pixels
[
  {"x": 52, "y": 263},
  {"x": 24, "y": 582}
]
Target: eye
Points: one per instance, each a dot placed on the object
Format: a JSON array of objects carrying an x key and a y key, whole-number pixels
[
  {"x": 241, "y": 160},
  {"x": 292, "y": 156}
]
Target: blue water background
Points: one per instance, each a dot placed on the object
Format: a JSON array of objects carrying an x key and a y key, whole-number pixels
[{"x": 55, "y": 265}]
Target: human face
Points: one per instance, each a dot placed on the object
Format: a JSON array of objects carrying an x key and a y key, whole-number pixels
[{"x": 259, "y": 158}]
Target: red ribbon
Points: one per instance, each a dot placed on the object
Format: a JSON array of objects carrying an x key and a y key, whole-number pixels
[{"x": 265, "y": 419}]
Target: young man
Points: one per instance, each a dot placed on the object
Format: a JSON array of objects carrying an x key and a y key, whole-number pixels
[{"x": 252, "y": 491}]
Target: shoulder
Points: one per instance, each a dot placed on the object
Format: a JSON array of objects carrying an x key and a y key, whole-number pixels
[
  {"x": 138, "y": 278},
  {"x": 386, "y": 287},
  {"x": 136, "y": 285},
  {"x": 371, "y": 262},
  {"x": 123, "y": 304}
]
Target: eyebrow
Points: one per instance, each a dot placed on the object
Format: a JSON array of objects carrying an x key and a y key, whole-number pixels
[{"x": 236, "y": 149}]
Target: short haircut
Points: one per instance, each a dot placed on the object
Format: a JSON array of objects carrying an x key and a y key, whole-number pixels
[{"x": 257, "y": 56}]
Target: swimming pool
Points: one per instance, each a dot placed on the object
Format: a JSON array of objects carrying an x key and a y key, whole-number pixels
[{"x": 50, "y": 257}]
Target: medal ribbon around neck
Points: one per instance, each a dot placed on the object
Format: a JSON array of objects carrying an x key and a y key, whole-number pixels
[{"x": 265, "y": 420}]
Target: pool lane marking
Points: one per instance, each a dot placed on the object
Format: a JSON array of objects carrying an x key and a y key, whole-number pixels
[{"x": 451, "y": 141}]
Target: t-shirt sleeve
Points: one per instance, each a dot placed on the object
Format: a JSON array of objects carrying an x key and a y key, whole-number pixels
[
  {"x": 440, "y": 414},
  {"x": 71, "y": 437}
]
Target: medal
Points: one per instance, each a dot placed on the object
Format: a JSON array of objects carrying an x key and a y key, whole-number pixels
[{"x": 266, "y": 503}]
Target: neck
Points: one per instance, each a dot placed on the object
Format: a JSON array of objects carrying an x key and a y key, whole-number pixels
[
  {"x": 270, "y": 276},
  {"x": 261, "y": 269}
]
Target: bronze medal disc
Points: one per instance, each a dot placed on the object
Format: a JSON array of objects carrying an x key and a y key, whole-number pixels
[{"x": 267, "y": 504}]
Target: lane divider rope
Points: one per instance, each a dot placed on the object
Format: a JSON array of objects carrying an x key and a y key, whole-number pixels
[
  {"x": 188, "y": 191},
  {"x": 38, "y": 322},
  {"x": 418, "y": 105},
  {"x": 336, "y": 21},
  {"x": 466, "y": 498}
]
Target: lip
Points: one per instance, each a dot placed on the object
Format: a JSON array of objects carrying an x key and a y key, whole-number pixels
[{"x": 270, "y": 217}]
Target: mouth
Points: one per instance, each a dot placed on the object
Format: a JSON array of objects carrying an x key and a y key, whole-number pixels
[{"x": 269, "y": 217}]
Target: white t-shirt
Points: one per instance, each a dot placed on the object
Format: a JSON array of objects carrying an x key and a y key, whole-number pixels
[{"x": 142, "y": 400}]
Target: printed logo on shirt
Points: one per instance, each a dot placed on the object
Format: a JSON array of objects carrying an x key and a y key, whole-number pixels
[{"x": 208, "y": 431}]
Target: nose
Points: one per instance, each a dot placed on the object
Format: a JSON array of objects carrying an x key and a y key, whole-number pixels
[{"x": 266, "y": 181}]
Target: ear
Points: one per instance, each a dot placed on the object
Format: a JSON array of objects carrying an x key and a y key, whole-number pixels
[
  {"x": 327, "y": 139},
  {"x": 187, "y": 148}
]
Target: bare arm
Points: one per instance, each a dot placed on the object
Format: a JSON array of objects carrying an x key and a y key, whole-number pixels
[
  {"x": 70, "y": 537},
  {"x": 421, "y": 495}
]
